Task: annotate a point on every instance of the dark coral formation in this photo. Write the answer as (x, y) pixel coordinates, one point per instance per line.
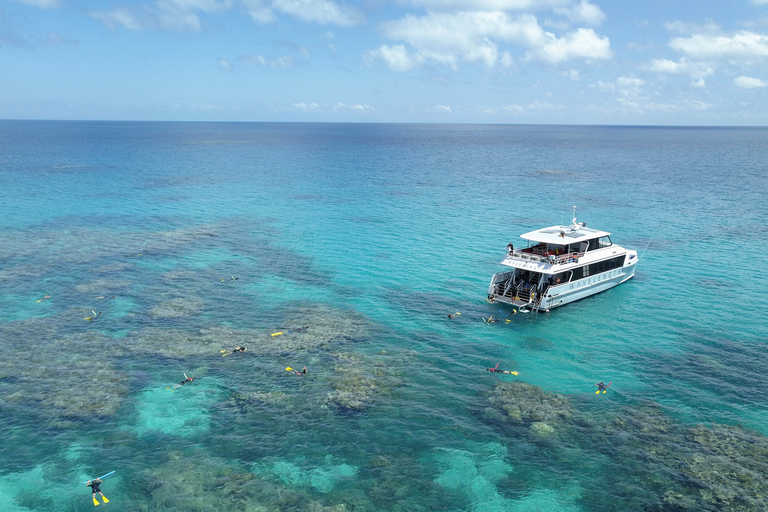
(202, 483)
(717, 468)
(653, 462)
(61, 375)
(358, 380)
(522, 404)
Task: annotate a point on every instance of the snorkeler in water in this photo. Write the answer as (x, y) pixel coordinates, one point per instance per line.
(495, 369)
(601, 387)
(94, 485)
(187, 380)
(237, 349)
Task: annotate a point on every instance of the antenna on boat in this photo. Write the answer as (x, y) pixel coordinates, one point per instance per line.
(649, 242)
(574, 224)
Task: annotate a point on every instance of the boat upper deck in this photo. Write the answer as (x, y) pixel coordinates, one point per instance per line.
(564, 235)
(556, 246)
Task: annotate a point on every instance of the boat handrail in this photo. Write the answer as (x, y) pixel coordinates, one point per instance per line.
(571, 257)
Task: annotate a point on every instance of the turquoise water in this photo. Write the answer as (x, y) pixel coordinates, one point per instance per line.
(368, 236)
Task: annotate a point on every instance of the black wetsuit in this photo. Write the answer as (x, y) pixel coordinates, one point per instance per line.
(95, 486)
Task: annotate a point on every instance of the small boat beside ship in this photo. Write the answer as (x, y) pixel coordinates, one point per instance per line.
(559, 265)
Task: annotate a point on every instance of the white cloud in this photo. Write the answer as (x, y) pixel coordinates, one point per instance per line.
(747, 82)
(176, 15)
(42, 4)
(742, 46)
(584, 43)
(450, 38)
(684, 27)
(183, 15)
(629, 86)
(354, 108)
(626, 86)
(307, 107)
(320, 11)
(224, 64)
(760, 2)
(396, 57)
(118, 17)
(488, 5)
(583, 12)
(259, 11)
(536, 106)
(696, 70)
(284, 61)
(442, 109)
(604, 86)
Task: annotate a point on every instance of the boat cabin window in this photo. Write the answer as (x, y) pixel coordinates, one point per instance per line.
(598, 268)
(593, 244)
(605, 241)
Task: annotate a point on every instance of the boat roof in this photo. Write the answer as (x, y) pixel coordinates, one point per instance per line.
(563, 235)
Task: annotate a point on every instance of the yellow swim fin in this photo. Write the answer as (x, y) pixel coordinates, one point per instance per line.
(603, 391)
(513, 373)
(276, 334)
(597, 392)
(96, 502)
(89, 318)
(105, 499)
(289, 369)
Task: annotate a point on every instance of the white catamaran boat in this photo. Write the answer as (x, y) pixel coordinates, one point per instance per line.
(561, 264)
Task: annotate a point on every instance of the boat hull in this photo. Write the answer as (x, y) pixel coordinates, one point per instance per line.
(572, 291)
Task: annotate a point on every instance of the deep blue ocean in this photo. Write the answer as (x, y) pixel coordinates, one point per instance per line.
(133, 254)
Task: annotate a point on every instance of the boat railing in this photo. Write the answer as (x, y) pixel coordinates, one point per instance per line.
(571, 257)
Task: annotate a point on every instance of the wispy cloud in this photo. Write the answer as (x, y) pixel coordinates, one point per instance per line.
(284, 61)
(324, 12)
(184, 15)
(747, 82)
(42, 4)
(354, 108)
(307, 107)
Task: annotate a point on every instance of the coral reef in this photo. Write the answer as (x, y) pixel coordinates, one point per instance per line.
(717, 468)
(176, 308)
(102, 286)
(322, 479)
(359, 380)
(522, 404)
(195, 482)
(655, 462)
(63, 376)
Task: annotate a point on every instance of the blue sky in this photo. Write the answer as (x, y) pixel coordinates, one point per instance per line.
(667, 62)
